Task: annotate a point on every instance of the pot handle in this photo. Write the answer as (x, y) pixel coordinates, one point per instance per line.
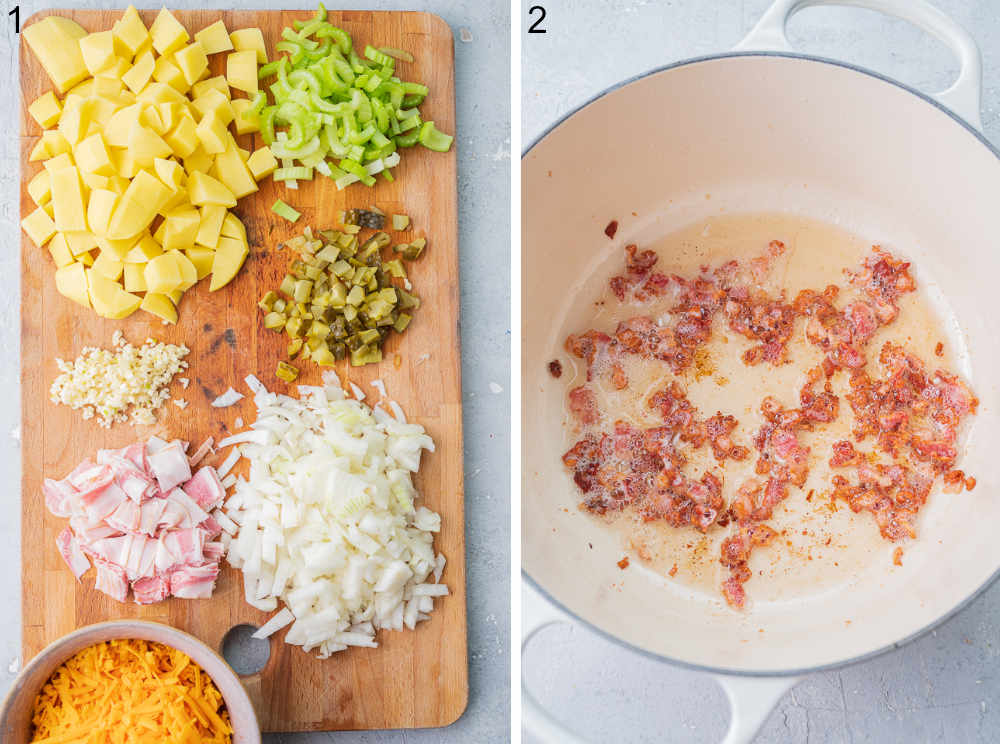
(751, 699)
(964, 97)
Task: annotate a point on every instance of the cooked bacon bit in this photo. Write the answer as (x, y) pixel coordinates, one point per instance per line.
(939, 349)
(583, 405)
(718, 430)
(843, 454)
(736, 551)
(555, 368)
(611, 229)
(639, 276)
(618, 378)
(970, 483)
(759, 317)
(760, 266)
(883, 278)
(897, 556)
(954, 481)
(893, 494)
(673, 571)
(588, 346)
(623, 563)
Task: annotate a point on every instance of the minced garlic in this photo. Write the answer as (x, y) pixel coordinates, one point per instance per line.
(118, 384)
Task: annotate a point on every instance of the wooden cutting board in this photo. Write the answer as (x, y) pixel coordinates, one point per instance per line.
(415, 678)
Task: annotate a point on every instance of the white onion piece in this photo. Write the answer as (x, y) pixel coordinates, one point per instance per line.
(278, 621)
(227, 399)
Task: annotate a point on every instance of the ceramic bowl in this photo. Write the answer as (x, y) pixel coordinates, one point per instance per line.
(15, 714)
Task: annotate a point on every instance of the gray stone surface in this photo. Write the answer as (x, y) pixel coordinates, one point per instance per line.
(945, 687)
(482, 58)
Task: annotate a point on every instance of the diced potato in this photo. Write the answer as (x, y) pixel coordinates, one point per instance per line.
(175, 297)
(106, 88)
(120, 125)
(98, 50)
(213, 102)
(67, 198)
(150, 118)
(212, 132)
(233, 228)
(118, 68)
(241, 70)
(159, 305)
(202, 259)
(80, 242)
(39, 152)
(118, 248)
(134, 277)
(183, 139)
(214, 38)
(163, 274)
(262, 163)
(165, 71)
(145, 146)
(130, 31)
(170, 172)
(140, 73)
(192, 62)
(109, 266)
(60, 161)
(246, 122)
(210, 226)
(125, 165)
(45, 110)
(108, 298)
(204, 189)
(230, 170)
(199, 161)
(99, 210)
(59, 250)
(55, 143)
(71, 282)
(250, 38)
(118, 184)
(145, 250)
(85, 258)
(178, 200)
(229, 257)
(91, 156)
(40, 189)
(39, 227)
(75, 119)
(55, 42)
(213, 83)
(157, 92)
(138, 206)
(182, 227)
(94, 181)
(189, 274)
(167, 32)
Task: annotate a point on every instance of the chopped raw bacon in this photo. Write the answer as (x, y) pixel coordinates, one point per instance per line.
(136, 532)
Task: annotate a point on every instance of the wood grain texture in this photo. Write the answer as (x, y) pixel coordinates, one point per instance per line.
(415, 679)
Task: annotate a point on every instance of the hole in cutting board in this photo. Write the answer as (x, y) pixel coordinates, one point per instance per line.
(245, 654)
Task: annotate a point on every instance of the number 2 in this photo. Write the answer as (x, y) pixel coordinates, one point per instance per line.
(533, 28)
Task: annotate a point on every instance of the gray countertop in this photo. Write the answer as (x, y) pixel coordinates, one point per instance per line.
(945, 687)
(482, 54)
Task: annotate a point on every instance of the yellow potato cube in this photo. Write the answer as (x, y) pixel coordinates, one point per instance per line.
(229, 257)
(108, 265)
(262, 163)
(210, 226)
(213, 102)
(244, 154)
(39, 227)
(108, 298)
(199, 160)
(212, 133)
(167, 33)
(40, 188)
(71, 282)
(161, 231)
(175, 297)
(165, 71)
(151, 118)
(170, 115)
(45, 110)
(192, 62)
(189, 274)
(55, 143)
(86, 259)
(204, 189)
(99, 210)
(80, 242)
(118, 184)
(214, 38)
(140, 73)
(178, 200)
(145, 146)
(125, 165)
(146, 249)
(241, 70)
(202, 259)
(94, 181)
(233, 228)
(75, 119)
(55, 42)
(163, 274)
(67, 198)
(157, 92)
(246, 121)
(39, 152)
(183, 139)
(91, 156)
(118, 68)
(106, 87)
(181, 229)
(159, 305)
(98, 50)
(134, 277)
(59, 250)
(117, 248)
(252, 39)
(230, 170)
(213, 83)
(138, 206)
(119, 126)
(170, 172)
(130, 31)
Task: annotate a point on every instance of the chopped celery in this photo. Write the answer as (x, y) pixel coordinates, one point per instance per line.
(283, 210)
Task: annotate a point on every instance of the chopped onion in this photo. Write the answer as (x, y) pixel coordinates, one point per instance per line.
(227, 399)
(278, 621)
(231, 459)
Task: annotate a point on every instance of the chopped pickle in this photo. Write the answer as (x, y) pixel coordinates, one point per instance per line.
(294, 348)
(274, 321)
(286, 372)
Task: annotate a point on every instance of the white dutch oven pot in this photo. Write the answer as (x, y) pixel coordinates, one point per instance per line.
(751, 128)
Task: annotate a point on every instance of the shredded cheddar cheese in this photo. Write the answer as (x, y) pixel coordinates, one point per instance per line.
(130, 692)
